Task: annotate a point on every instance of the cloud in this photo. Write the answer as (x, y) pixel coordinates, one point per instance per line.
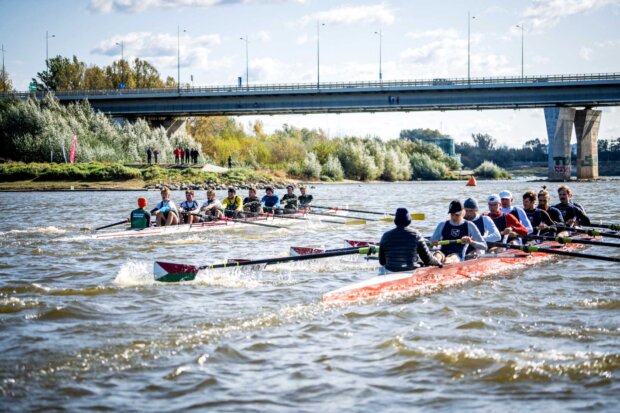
(345, 15)
(303, 39)
(139, 6)
(263, 36)
(543, 14)
(585, 53)
(161, 49)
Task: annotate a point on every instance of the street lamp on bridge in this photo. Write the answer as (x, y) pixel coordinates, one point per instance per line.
(380, 44)
(469, 19)
(521, 27)
(47, 37)
(121, 44)
(247, 65)
(179, 58)
(318, 69)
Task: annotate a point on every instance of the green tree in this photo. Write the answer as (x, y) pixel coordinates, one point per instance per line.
(483, 141)
(5, 81)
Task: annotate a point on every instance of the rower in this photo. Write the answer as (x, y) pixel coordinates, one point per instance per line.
(519, 213)
(289, 200)
(212, 207)
(189, 208)
(507, 224)
(539, 218)
(571, 212)
(140, 218)
(456, 228)
(543, 204)
(401, 248)
(304, 199)
(251, 203)
(270, 202)
(485, 224)
(166, 212)
(232, 204)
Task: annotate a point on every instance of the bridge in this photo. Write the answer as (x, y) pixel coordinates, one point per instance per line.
(558, 95)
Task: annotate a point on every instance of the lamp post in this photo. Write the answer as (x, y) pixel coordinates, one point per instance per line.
(380, 44)
(179, 58)
(318, 55)
(47, 37)
(4, 83)
(469, 19)
(247, 65)
(121, 44)
(521, 27)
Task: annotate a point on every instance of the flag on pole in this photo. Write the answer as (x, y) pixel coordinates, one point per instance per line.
(73, 147)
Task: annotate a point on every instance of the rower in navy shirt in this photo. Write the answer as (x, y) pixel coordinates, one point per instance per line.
(270, 202)
(572, 213)
(456, 228)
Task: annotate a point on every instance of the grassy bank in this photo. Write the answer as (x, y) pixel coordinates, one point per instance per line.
(95, 175)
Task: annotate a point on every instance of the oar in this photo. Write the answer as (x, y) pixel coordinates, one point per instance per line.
(171, 272)
(350, 222)
(613, 227)
(243, 221)
(338, 216)
(533, 248)
(112, 225)
(414, 216)
(568, 240)
(591, 232)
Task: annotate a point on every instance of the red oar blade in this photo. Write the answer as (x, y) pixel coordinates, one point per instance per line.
(172, 272)
(296, 251)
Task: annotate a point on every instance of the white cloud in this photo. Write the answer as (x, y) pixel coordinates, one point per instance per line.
(543, 14)
(161, 49)
(138, 6)
(585, 53)
(303, 39)
(264, 36)
(438, 33)
(379, 14)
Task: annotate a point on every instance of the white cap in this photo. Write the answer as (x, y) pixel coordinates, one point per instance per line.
(505, 194)
(494, 198)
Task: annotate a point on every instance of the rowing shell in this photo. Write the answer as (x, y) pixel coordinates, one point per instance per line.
(406, 283)
(223, 223)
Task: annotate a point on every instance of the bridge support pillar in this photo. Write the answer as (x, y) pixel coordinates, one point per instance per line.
(171, 125)
(587, 122)
(559, 130)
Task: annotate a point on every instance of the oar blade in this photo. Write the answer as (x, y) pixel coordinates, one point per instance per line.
(355, 222)
(417, 216)
(171, 272)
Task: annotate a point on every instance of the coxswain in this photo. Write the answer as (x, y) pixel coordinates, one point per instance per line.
(270, 202)
(507, 224)
(543, 204)
(189, 208)
(304, 199)
(289, 200)
(140, 218)
(457, 228)
(519, 213)
(233, 204)
(573, 213)
(251, 203)
(166, 212)
(485, 224)
(212, 207)
(538, 218)
(402, 248)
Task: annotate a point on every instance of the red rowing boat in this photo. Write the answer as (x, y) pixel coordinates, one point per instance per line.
(428, 278)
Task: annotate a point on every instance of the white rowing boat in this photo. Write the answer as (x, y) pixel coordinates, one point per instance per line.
(286, 220)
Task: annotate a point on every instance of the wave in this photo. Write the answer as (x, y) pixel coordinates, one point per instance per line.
(134, 273)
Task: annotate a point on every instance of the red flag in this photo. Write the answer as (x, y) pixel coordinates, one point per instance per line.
(73, 147)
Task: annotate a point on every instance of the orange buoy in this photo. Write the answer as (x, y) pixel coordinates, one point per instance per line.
(472, 181)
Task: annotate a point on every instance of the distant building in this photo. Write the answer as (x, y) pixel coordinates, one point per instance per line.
(445, 144)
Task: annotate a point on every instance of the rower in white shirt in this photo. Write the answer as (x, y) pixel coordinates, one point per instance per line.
(519, 213)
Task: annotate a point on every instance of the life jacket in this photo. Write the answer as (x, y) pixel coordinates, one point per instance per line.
(189, 206)
(450, 232)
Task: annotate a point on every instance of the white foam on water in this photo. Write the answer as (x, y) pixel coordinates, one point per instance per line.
(229, 278)
(37, 230)
(194, 239)
(135, 273)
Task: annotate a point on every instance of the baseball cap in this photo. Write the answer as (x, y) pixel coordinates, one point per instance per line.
(494, 198)
(505, 194)
(455, 206)
(470, 203)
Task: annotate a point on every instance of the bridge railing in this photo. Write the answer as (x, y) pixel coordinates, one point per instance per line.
(310, 87)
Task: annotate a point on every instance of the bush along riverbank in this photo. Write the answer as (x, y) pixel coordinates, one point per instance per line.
(96, 175)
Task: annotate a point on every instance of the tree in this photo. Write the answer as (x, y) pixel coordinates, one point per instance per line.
(5, 81)
(483, 141)
(62, 74)
(421, 134)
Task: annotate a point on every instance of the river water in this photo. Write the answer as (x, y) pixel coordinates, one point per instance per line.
(84, 328)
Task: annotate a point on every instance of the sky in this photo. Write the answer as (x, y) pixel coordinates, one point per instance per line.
(419, 40)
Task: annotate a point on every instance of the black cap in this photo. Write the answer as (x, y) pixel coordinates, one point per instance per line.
(455, 206)
(402, 218)
(232, 190)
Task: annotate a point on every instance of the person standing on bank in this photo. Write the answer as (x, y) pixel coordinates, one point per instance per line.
(149, 154)
(402, 248)
(229, 162)
(156, 155)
